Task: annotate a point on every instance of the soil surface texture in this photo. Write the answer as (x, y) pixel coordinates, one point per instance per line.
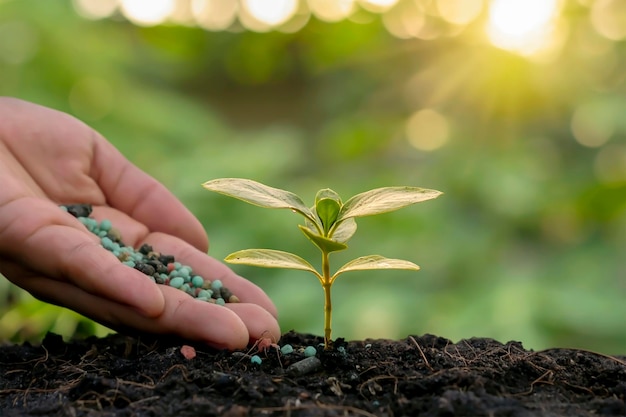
(417, 376)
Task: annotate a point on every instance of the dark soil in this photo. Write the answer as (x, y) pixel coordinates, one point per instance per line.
(417, 376)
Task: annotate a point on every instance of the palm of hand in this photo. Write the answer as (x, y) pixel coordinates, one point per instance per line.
(48, 158)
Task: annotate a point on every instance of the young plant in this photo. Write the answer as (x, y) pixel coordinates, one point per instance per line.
(329, 224)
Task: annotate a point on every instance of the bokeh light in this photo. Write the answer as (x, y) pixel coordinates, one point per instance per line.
(332, 10)
(609, 18)
(95, 9)
(182, 13)
(296, 23)
(405, 21)
(214, 15)
(459, 12)
(526, 27)
(409, 19)
(593, 123)
(522, 26)
(145, 13)
(427, 130)
(378, 6)
(271, 12)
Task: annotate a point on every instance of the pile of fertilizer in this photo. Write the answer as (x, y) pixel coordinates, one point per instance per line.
(163, 269)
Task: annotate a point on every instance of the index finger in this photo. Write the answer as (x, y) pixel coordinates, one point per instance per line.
(129, 189)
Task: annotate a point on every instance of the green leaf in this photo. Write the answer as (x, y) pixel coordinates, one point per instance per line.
(270, 258)
(327, 206)
(326, 245)
(327, 193)
(383, 200)
(327, 209)
(343, 230)
(260, 195)
(374, 262)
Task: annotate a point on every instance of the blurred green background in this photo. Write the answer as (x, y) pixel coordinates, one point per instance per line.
(514, 109)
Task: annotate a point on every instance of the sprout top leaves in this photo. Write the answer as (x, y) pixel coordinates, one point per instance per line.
(329, 224)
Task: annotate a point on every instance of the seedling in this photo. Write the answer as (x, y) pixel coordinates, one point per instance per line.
(329, 224)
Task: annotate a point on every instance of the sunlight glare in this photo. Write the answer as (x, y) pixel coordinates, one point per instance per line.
(147, 13)
(525, 26)
(271, 12)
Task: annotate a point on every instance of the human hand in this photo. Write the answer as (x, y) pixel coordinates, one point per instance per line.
(48, 158)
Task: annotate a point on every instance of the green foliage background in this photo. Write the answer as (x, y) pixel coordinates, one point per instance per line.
(527, 243)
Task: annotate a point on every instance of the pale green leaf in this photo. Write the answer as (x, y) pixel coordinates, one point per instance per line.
(343, 230)
(327, 193)
(375, 262)
(259, 195)
(270, 258)
(326, 245)
(383, 200)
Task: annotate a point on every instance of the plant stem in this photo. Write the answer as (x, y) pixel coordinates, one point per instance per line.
(326, 285)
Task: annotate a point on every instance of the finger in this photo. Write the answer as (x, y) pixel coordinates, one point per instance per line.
(124, 185)
(134, 192)
(131, 231)
(183, 315)
(258, 321)
(53, 243)
(212, 269)
(48, 152)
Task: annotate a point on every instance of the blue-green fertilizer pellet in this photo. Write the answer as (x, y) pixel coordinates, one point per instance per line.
(162, 269)
(310, 351)
(286, 349)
